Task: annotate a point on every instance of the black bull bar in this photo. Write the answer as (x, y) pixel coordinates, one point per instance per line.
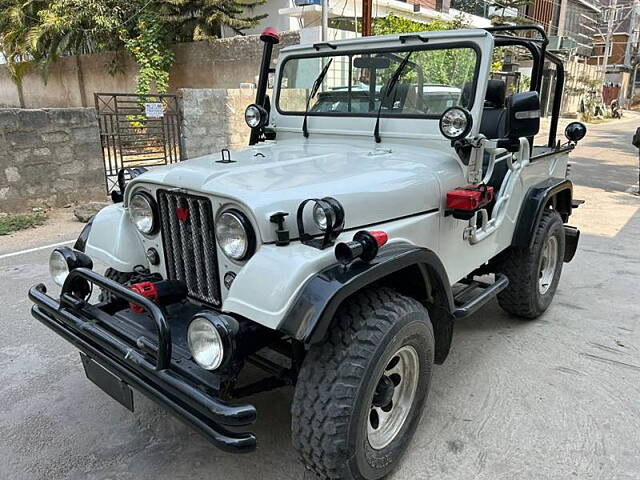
(77, 321)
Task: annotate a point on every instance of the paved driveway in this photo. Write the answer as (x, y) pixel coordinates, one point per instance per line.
(557, 398)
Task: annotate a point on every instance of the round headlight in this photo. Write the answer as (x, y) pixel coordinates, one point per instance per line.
(256, 116)
(234, 235)
(142, 211)
(455, 123)
(319, 217)
(205, 343)
(58, 267)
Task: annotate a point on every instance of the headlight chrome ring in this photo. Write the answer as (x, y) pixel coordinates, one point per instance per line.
(143, 211)
(235, 235)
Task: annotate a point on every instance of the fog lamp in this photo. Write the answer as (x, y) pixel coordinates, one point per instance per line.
(64, 259)
(211, 339)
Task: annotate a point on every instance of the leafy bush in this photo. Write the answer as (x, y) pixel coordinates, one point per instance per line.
(10, 223)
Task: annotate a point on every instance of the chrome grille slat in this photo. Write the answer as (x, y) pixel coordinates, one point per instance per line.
(173, 234)
(209, 250)
(201, 284)
(190, 249)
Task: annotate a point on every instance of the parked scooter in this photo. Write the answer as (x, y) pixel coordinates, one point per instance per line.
(616, 109)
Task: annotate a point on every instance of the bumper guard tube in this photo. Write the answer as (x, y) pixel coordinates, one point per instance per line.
(71, 319)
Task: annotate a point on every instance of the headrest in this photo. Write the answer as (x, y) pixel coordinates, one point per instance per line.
(467, 89)
(496, 93)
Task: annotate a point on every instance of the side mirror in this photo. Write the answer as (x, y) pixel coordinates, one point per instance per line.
(523, 115)
(575, 132)
(636, 138)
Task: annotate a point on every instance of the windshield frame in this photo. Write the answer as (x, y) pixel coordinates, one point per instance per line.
(398, 50)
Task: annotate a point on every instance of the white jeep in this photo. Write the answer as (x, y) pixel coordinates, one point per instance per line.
(390, 188)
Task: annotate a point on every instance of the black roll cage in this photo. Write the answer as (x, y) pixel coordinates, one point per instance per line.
(510, 35)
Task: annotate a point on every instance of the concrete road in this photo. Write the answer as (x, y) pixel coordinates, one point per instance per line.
(558, 398)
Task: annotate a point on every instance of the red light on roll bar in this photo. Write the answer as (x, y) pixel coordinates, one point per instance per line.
(270, 34)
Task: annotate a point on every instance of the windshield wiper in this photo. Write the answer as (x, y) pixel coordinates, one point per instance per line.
(388, 88)
(314, 89)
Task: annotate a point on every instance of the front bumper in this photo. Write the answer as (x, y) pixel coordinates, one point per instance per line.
(146, 364)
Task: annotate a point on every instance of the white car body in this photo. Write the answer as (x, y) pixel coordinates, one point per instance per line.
(346, 240)
(398, 186)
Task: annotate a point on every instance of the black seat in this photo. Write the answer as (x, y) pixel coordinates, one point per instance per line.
(397, 98)
(493, 123)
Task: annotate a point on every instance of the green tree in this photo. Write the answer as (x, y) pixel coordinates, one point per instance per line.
(38, 32)
(443, 67)
(394, 24)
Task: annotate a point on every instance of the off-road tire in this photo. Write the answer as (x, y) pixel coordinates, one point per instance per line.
(116, 276)
(332, 402)
(522, 266)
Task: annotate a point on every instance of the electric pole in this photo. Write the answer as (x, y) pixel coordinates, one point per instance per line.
(325, 19)
(607, 43)
(366, 17)
(632, 48)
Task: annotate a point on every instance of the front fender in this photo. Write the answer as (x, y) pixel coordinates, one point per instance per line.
(315, 306)
(113, 240)
(267, 286)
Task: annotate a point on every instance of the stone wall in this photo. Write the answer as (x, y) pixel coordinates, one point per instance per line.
(72, 81)
(213, 119)
(49, 157)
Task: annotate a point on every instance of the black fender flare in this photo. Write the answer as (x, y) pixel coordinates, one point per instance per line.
(81, 242)
(314, 307)
(557, 190)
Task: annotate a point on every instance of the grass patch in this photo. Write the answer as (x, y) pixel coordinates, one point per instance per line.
(10, 223)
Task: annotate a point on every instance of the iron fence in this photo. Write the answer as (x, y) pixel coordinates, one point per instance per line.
(137, 131)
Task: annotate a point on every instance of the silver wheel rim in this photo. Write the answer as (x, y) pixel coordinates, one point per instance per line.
(386, 419)
(548, 264)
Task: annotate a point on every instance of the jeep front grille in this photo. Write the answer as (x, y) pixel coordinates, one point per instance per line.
(189, 244)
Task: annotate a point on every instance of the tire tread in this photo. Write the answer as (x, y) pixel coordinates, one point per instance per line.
(517, 264)
(330, 378)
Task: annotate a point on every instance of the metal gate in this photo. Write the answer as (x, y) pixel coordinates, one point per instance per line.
(137, 131)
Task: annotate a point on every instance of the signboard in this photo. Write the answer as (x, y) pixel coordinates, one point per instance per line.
(153, 110)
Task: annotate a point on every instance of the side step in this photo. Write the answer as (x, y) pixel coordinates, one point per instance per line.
(476, 294)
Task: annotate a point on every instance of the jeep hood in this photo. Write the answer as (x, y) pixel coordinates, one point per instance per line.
(373, 185)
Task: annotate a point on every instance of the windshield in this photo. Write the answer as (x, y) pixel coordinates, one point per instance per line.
(433, 80)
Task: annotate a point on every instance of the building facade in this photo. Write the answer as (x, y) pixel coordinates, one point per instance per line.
(345, 15)
(615, 51)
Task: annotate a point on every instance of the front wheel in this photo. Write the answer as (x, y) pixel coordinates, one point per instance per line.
(360, 394)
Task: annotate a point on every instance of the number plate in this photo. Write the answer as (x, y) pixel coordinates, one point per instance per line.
(108, 382)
